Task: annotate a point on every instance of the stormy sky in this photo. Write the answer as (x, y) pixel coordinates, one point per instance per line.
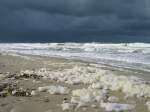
(74, 20)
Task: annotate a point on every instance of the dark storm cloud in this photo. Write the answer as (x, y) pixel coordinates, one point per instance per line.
(74, 18)
(81, 7)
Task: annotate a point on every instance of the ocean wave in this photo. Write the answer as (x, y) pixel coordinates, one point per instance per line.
(122, 54)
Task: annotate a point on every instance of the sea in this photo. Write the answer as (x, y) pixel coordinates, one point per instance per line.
(122, 55)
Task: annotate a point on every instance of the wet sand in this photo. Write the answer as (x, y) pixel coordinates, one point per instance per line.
(43, 101)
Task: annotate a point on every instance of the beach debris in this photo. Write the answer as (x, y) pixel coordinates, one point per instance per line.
(117, 107)
(3, 86)
(11, 88)
(3, 94)
(7, 87)
(148, 105)
(21, 92)
(29, 74)
(11, 76)
(54, 89)
(24, 74)
(65, 100)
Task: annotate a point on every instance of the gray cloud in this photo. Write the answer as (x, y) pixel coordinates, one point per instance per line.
(74, 18)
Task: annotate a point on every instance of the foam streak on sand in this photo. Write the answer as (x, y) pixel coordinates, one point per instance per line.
(130, 85)
(100, 82)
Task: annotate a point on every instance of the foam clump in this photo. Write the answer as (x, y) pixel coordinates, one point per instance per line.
(117, 107)
(113, 99)
(96, 85)
(76, 75)
(129, 85)
(34, 93)
(148, 105)
(68, 106)
(54, 89)
(27, 72)
(83, 97)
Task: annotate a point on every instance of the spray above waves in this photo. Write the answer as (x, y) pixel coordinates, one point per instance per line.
(129, 55)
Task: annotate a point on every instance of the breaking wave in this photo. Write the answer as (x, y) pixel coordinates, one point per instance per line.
(127, 55)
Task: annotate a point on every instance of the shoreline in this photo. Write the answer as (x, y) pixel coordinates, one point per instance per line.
(47, 102)
(128, 71)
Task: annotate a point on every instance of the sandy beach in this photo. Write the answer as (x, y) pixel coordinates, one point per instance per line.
(29, 84)
(74, 55)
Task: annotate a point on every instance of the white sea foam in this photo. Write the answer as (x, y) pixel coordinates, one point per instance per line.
(100, 83)
(54, 89)
(88, 95)
(113, 99)
(111, 107)
(148, 105)
(68, 107)
(97, 79)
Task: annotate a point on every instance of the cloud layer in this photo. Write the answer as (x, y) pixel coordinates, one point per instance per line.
(74, 19)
